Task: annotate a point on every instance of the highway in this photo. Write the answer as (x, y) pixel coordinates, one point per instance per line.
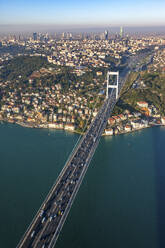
(45, 228)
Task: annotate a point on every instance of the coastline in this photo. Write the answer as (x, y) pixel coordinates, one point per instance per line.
(34, 125)
(37, 126)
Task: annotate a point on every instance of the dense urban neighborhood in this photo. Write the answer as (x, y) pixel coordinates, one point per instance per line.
(60, 82)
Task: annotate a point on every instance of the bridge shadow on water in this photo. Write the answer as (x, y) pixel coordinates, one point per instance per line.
(159, 164)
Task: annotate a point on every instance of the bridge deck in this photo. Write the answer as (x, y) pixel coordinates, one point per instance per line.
(47, 224)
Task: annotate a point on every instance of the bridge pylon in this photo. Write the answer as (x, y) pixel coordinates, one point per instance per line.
(116, 85)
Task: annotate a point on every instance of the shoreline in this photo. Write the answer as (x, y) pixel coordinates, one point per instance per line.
(36, 126)
(32, 125)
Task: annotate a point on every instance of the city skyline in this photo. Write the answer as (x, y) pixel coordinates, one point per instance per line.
(98, 13)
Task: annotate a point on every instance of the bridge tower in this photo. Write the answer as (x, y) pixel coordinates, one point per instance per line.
(116, 85)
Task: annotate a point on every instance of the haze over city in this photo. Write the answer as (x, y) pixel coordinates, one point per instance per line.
(68, 15)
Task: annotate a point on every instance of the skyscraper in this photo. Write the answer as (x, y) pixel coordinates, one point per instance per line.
(34, 36)
(106, 34)
(121, 32)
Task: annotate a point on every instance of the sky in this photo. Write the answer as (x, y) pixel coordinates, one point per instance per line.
(83, 12)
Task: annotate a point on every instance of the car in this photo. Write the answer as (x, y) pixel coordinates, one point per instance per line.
(41, 213)
(43, 220)
(32, 234)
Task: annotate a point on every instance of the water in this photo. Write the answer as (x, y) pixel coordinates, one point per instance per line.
(121, 201)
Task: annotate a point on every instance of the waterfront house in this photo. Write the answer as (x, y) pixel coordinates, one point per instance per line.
(52, 125)
(144, 123)
(127, 128)
(116, 131)
(163, 120)
(136, 124)
(69, 127)
(109, 131)
(59, 125)
(119, 128)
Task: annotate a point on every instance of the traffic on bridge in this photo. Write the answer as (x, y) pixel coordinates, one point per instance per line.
(44, 230)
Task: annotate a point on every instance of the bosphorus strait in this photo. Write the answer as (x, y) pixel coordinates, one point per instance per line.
(120, 202)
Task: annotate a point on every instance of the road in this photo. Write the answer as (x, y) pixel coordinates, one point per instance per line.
(44, 230)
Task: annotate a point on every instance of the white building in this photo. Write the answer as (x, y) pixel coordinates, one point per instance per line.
(127, 128)
(52, 125)
(144, 123)
(69, 127)
(136, 124)
(163, 120)
(109, 131)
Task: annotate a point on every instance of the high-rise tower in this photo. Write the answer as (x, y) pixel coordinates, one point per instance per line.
(121, 32)
(106, 34)
(34, 36)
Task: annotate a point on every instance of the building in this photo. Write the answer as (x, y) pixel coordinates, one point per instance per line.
(116, 131)
(121, 32)
(111, 121)
(137, 114)
(99, 73)
(136, 124)
(109, 131)
(59, 125)
(144, 123)
(69, 127)
(106, 34)
(117, 118)
(34, 36)
(163, 120)
(122, 117)
(52, 125)
(142, 104)
(127, 128)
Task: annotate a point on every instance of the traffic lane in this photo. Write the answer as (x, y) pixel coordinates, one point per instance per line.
(67, 172)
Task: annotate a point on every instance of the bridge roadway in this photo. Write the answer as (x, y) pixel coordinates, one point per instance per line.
(44, 229)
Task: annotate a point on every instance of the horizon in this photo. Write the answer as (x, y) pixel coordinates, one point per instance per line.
(83, 13)
(24, 29)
